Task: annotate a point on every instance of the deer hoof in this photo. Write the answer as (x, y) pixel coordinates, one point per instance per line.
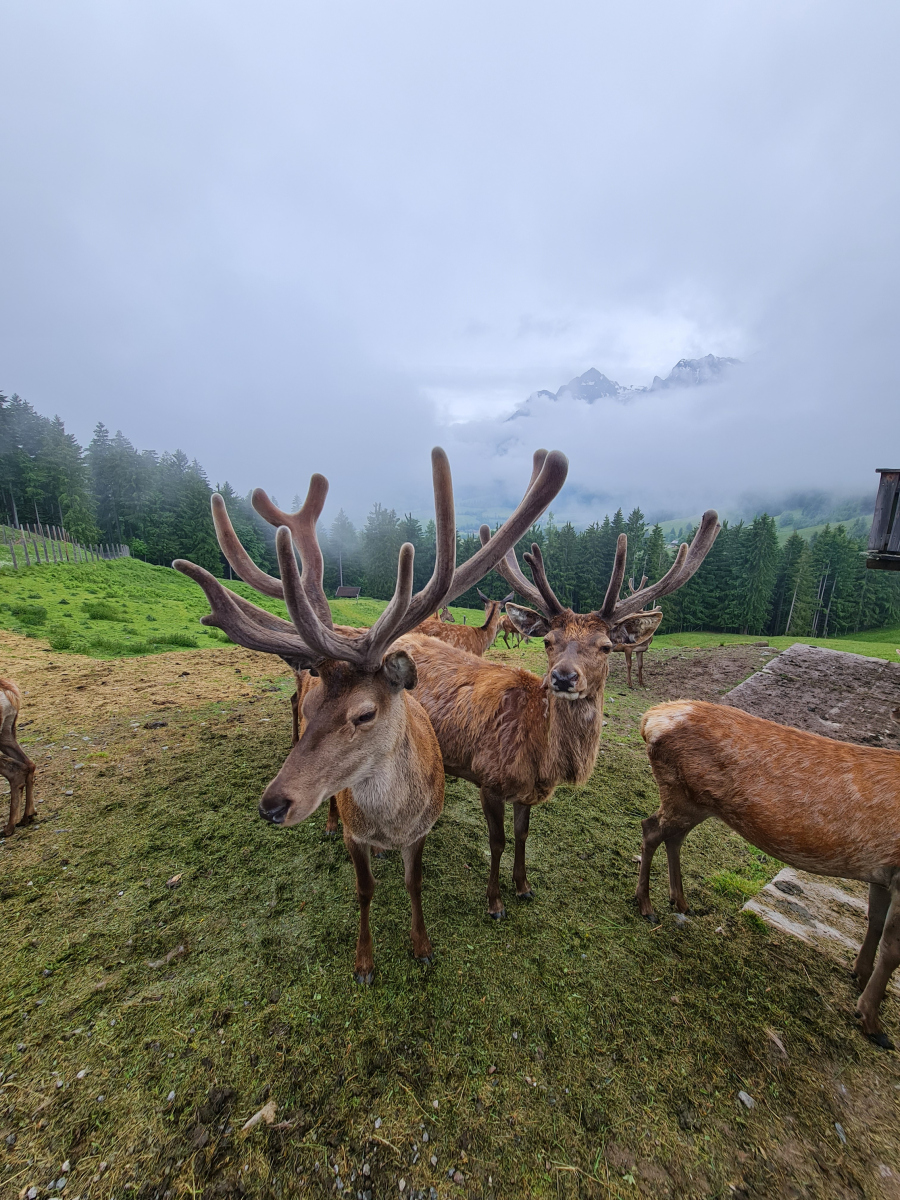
(881, 1039)
(28, 818)
(366, 979)
(426, 960)
(8, 831)
(529, 895)
(651, 918)
(332, 833)
(497, 916)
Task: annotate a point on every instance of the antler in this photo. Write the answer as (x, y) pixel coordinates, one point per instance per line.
(686, 563)
(312, 637)
(302, 525)
(508, 567)
(547, 478)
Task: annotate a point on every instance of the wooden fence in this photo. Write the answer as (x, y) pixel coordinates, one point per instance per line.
(39, 545)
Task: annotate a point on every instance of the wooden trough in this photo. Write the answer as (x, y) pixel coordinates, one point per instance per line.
(884, 540)
(841, 696)
(347, 593)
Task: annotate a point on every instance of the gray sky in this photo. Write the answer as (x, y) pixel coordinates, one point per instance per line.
(289, 237)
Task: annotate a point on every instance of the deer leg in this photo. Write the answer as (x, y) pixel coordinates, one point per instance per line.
(493, 808)
(628, 666)
(888, 959)
(640, 660)
(651, 841)
(412, 864)
(879, 903)
(331, 825)
(12, 772)
(28, 815)
(364, 970)
(521, 821)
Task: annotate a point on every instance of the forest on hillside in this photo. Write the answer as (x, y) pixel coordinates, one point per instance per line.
(158, 504)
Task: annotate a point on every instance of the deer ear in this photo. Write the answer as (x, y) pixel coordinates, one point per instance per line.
(528, 622)
(637, 628)
(399, 670)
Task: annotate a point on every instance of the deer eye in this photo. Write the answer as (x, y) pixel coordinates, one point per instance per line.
(365, 717)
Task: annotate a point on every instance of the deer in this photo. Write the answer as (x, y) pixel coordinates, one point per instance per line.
(516, 735)
(507, 630)
(364, 738)
(15, 765)
(474, 638)
(445, 615)
(634, 647)
(817, 804)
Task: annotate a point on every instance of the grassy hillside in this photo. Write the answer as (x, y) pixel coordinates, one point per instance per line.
(127, 607)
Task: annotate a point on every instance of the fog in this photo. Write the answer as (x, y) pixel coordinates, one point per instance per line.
(296, 237)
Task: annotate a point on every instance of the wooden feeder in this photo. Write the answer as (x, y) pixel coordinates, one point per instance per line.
(347, 593)
(884, 540)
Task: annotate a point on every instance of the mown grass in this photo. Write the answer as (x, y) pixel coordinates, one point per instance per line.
(571, 1050)
(126, 607)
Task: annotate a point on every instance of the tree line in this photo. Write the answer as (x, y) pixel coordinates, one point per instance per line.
(158, 504)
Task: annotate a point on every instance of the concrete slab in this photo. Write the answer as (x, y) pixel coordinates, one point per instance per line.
(830, 692)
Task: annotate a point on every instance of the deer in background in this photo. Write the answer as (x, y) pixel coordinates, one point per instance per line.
(364, 739)
(640, 643)
(474, 638)
(814, 803)
(508, 630)
(15, 765)
(516, 735)
(446, 615)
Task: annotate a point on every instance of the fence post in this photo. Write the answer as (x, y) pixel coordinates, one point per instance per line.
(25, 548)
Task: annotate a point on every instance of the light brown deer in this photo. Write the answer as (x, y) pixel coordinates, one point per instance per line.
(516, 735)
(817, 804)
(446, 615)
(507, 630)
(15, 765)
(637, 647)
(474, 638)
(363, 737)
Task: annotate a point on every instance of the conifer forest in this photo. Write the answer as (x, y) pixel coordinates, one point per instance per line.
(158, 505)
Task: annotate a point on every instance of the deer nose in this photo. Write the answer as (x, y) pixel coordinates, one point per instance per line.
(564, 681)
(274, 809)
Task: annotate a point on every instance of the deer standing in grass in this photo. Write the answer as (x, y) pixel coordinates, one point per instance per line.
(15, 765)
(517, 735)
(819, 805)
(474, 638)
(636, 647)
(363, 737)
(508, 630)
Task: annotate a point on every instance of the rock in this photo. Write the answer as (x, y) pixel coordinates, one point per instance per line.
(746, 1100)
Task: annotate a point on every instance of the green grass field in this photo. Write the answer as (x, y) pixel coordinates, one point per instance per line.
(127, 607)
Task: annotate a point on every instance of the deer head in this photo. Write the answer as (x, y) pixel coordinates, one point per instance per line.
(356, 716)
(578, 644)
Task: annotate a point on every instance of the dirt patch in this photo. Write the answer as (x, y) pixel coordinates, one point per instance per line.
(77, 691)
(701, 673)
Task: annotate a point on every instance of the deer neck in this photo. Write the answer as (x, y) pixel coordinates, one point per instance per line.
(573, 736)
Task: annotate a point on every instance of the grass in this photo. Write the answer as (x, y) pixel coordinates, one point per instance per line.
(571, 1050)
(874, 643)
(125, 607)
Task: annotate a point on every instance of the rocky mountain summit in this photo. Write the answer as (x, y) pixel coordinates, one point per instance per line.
(593, 385)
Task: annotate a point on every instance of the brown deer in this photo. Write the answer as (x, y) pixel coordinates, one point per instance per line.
(474, 638)
(508, 630)
(515, 735)
(636, 647)
(446, 615)
(15, 765)
(364, 738)
(816, 804)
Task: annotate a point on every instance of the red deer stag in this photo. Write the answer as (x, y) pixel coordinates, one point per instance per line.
(364, 738)
(15, 765)
(817, 804)
(474, 638)
(634, 645)
(515, 735)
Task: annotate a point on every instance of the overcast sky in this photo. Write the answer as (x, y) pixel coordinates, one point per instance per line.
(288, 237)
